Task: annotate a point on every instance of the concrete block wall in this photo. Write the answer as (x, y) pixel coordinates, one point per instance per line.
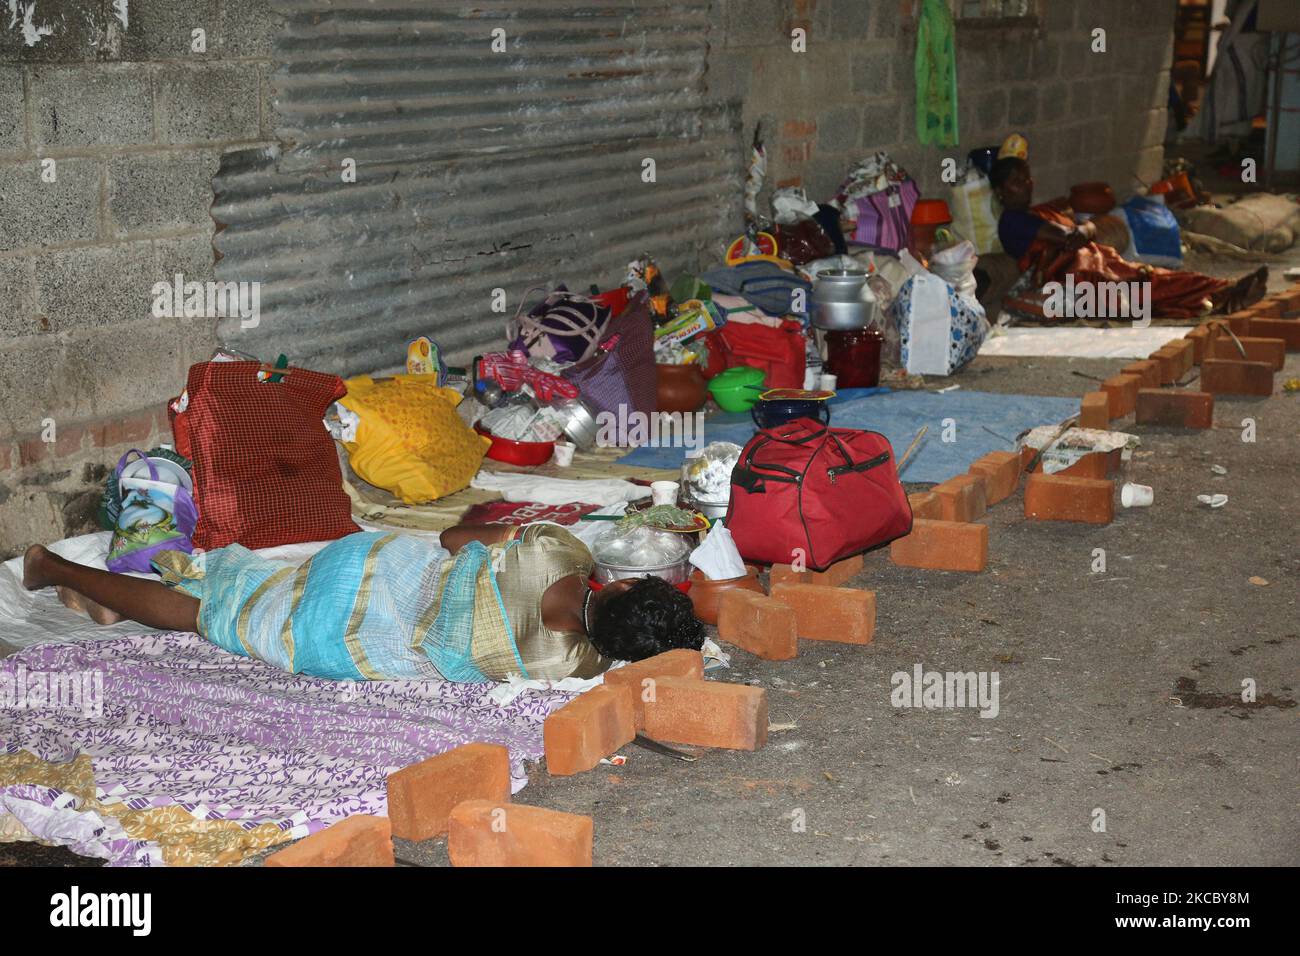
(135, 120)
(1087, 116)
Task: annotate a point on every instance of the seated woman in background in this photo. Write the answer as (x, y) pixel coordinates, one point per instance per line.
(493, 601)
(1046, 237)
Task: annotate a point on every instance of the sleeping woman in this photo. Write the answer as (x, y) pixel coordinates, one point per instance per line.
(492, 601)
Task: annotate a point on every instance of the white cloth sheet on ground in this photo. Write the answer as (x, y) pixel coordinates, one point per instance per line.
(558, 491)
(1080, 341)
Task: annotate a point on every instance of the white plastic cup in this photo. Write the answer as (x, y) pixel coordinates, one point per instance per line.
(810, 379)
(564, 453)
(1136, 496)
(663, 492)
(828, 383)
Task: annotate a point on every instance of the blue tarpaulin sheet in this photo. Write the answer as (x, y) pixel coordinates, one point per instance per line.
(981, 422)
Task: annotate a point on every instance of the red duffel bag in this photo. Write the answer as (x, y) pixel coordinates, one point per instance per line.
(802, 489)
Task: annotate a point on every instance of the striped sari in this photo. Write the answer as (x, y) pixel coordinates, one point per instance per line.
(370, 606)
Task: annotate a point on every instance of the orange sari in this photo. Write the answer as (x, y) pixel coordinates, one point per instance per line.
(1174, 294)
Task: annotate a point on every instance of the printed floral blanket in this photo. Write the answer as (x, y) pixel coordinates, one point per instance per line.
(163, 749)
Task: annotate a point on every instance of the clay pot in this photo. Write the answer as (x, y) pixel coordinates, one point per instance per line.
(680, 388)
(706, 595)
(1095, 198)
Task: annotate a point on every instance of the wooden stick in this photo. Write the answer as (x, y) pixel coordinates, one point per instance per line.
(911, 448)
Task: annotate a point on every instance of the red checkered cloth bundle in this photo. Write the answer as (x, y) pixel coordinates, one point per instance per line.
(265, 469)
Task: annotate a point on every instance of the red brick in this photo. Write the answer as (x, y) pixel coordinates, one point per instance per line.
(32, 450)
(1288, 330)
(1269, 351)
(1123, 392)
(1063, 498)
(1270, 307)
(1148, 370)
(1224, 377)
(761, 625)
(925, 504)
(838, 573)
(593, 725)
(1166, 363)
(1094, 410)
(707, 713)
(356, 841)
(1002, 469)
(490, 833)
(845, 615)
(1176, 407)
(943, 546)
(679, 663)
(68, 440)
(1183, 354)
(1198, 337)
(1239, 322)
(421, 796)
(961, 498)
(785, 574)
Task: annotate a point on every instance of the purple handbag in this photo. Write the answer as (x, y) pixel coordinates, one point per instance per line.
(156, 515)
(621, 372)
(885, 217)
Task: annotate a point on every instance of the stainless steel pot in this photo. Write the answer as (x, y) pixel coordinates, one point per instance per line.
(580, 424)
(674, 573)
(842, 300)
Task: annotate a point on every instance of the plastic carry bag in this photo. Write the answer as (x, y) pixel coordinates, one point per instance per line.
(1156, 238)
(157, 514)
(940, 331)
(973, 212)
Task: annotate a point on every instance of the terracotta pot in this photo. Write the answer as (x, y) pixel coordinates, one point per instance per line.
(680, 388)
(706, 595)
(1095, 198)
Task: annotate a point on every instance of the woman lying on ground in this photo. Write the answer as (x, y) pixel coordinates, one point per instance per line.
(494, 600)
(1046, 237)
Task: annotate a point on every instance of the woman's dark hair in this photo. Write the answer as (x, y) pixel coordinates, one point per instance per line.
(1003, 169)
(650, 617)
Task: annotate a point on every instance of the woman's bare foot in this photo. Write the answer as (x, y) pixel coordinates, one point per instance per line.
(79, 602)
(37, 562)
(35, 568)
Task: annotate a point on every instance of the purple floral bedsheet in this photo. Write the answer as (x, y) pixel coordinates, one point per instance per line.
(170, 719)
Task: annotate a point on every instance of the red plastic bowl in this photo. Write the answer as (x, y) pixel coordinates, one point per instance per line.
(930, 212)
(518, 452)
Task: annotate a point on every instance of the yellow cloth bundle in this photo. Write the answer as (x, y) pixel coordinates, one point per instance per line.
(410, 441)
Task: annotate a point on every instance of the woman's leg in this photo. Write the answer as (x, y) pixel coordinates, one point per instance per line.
(111, 597)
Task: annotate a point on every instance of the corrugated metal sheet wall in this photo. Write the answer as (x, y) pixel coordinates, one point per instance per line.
(475, 170)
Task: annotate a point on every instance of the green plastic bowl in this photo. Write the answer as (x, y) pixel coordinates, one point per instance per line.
(737, 389)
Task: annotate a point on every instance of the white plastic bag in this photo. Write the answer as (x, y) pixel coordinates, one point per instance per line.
(974, 213)
(940, 331)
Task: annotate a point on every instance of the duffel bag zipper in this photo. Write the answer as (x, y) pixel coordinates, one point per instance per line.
(860, 466)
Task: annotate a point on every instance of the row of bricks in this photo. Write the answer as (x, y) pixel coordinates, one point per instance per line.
(665, 697)
(465, 794)
(479, 833)
(944, 536)
(72, 438)
(1082, 492)
(770, 627)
